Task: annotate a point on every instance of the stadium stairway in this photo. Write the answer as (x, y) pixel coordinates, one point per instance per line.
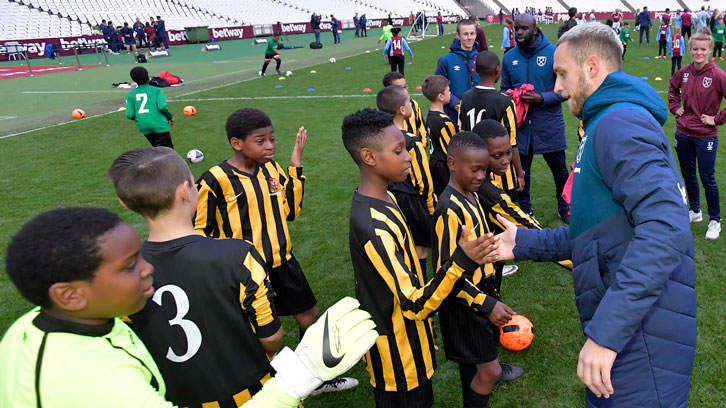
(628, 6)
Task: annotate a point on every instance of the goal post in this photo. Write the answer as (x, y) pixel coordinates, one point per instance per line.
(427, 27)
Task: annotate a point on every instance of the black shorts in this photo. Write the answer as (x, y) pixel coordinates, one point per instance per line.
(160, 139)
(419, 397)
(469, 337)
(270, 56)
(417, 215)
(292, 291)
(439, 175)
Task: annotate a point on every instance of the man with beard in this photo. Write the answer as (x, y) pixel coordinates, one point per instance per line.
(629, 238)
(543, 129)
(458, 66)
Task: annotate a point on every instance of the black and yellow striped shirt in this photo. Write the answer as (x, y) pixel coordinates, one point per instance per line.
(208, 291)
(389, 284)
(454, 212)
(481, 103)
(496, 201)
(419, 180)
(415, 124)
(254, 207)
(441, 129)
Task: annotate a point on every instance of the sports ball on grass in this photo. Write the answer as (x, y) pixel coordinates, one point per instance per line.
(288, 73)
(195, 156)
(517, 334)
(78, 113)
(332, 60)
(190, 110)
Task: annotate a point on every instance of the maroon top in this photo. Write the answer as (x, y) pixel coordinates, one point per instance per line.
(481, 40)
(701, 92)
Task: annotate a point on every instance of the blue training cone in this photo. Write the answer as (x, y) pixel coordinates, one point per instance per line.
(347, 68)
(278, 86)
(409, 63)
(646, 58)
(311, 89)
(645, 78)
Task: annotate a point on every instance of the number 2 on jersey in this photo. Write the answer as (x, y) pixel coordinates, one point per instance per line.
(143, 98)
(191, 331)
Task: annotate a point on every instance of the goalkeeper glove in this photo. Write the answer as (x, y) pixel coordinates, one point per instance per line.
(329, 348)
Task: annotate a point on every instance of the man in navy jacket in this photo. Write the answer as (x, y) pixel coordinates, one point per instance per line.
(644, 22)
(543, 130)
(161, 32)
(629, 239)
(459, 66)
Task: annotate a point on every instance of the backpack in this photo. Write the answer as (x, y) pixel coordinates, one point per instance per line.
(159, 82)
(141, 58)
(316, 45)
(170, 78)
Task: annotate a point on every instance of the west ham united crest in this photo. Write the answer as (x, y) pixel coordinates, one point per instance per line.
(541, 60)
(707, 82)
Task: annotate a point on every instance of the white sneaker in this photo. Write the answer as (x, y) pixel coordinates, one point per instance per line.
(509, 270)
(714, 230)
(335, 385)
(695, 216)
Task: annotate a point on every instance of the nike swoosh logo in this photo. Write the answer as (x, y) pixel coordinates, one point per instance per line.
(328, 359)
(235, 197)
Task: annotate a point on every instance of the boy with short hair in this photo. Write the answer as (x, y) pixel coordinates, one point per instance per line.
(147, 106)
(218, 289)
(470, 338)
(625, 37)
(249, 197)
(415, 124)
(440, 128)
(393, 51)
(389, 281)
(485, 102)
(271, 53)
(415, 194)
(83, 268)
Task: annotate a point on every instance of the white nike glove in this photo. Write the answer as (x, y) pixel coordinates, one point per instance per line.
(329, 348)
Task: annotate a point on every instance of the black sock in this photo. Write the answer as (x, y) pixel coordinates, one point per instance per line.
(264, 66)
(279, 61)
(422, 262)
(477, 400)
(467, 373)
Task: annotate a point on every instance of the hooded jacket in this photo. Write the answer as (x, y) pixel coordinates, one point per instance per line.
(459, 67)
(544, 127)
(699, 92)
(631, 246)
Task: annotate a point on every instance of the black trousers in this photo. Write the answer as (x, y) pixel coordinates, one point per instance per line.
(397, 63)
(675, 61)
(686, 31)
(159, 139)
(717, 47)
(558, 167)
(663, 46)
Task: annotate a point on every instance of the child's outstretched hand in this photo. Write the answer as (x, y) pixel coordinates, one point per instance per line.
(501, 314)
(480, 250)
(300, 140)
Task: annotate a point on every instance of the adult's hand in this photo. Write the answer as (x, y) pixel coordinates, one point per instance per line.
(593, 368)
(507, 239)
(531, 97)
(707, 120)
(680, 111)
(480, 250)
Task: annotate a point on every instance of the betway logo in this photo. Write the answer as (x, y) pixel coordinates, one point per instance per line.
(66, 45)
(326, 26)
(397, 21)
(177, 36)
(293, 28)
(374, 23)
(229, 33)
(37, 48)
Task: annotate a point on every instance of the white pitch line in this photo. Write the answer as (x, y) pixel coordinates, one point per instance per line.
(55, 125)
(70, 92)
(253, 98)
(7, 117)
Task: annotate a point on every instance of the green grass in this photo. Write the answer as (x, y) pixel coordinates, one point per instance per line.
(66, 165)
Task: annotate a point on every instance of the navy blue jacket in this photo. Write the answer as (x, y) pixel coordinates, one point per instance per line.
(459, 67)
(544, 126)
(160, 28)
(355, 22)
(644, 19)
(631, 246)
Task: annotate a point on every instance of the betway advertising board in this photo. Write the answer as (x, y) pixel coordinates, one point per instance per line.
(36, 47)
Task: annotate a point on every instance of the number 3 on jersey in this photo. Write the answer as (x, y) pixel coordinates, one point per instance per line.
(191, 331)
(143, 98)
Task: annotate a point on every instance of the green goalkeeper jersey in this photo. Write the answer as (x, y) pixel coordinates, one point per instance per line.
(272, 46)
(625, 35)
(147, 106)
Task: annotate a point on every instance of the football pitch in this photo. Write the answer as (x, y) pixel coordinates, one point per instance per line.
(65, 165)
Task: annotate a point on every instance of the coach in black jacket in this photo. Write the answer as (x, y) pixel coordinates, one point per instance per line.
(315, 23)
(572, 12)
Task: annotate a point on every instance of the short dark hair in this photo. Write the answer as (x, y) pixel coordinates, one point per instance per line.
(486, 63)
(244, 121)
(395, 30)
(572, 11)
(158, 17)
(463, 22)
(465, 141)
(146, 179)
(490, 129)
(363, 129)
(60, 245)
(390, 98)
(392, 76)
(434, 85)
(140, 75)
